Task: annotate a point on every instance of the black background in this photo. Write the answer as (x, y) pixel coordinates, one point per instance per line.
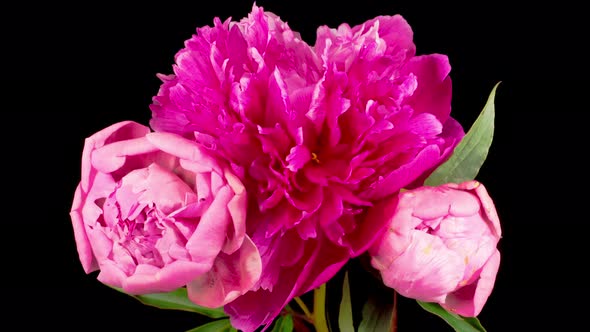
(73, 69)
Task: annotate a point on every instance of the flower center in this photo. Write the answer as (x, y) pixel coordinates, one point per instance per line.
(139, 237)
(134, 231)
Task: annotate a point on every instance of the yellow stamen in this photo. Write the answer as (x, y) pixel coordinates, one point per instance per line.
(314, 157)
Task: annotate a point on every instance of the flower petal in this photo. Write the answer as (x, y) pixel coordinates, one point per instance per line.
(231, 276)
(433, 94)
(82, 243)
(468, 301)
(426, 270)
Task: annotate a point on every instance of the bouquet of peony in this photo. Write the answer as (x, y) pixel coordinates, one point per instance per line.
(270, 165)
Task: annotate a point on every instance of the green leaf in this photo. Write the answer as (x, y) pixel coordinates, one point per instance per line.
(345, 322)
(222, 325)
(283, 324)
(470, 154)
(377, 316)
(176, 300)
(458, 323)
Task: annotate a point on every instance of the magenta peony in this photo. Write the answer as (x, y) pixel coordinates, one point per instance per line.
(441, 246)
(155, 212)
(317, 135)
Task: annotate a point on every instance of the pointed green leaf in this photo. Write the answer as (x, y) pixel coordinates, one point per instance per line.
(471, 152)
(222, 325)
(377, 316)
(458, 323)
(345, 322)
(176, 300)
(283, 324)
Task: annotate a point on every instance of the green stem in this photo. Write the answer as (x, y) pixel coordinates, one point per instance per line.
(298, 315)
(319, 309)
(303, 307)
(394, 313)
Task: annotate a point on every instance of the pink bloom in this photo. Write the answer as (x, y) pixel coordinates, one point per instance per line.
(155, 212)
(315, 133)
(441, 246)
(385, 109)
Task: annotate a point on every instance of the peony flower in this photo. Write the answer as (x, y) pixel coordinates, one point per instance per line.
(154, 212)
(441, 246)
(317, 135)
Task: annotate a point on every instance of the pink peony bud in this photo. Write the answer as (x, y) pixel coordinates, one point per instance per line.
(441, 246)
(154, 212)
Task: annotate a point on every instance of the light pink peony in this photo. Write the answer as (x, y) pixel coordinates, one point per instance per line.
(441, 246)
(155, 212)
(317, 134)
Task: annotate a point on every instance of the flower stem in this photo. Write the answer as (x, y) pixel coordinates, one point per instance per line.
(394, 313)
(297, 315)
(319, 309)
(303, 307)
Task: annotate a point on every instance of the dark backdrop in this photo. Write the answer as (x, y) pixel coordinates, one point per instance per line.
(73, 69)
